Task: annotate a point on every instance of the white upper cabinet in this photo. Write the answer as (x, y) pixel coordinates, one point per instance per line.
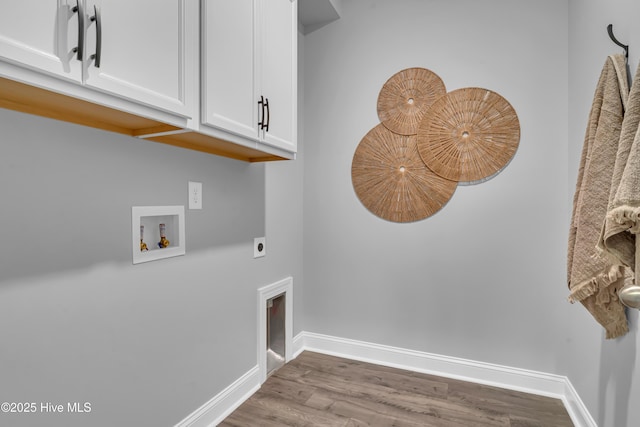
(249, 66)
(278, 60)
(42, 35)
(228, 66)
(218, 76)
(143, 50)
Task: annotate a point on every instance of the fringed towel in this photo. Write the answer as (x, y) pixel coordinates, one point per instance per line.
(593, 277)
(622, 222)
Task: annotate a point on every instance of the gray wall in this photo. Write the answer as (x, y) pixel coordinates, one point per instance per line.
(144, 344)
(484, 278)
(604, 372)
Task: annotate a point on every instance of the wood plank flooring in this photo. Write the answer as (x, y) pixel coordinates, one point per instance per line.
(320, 390)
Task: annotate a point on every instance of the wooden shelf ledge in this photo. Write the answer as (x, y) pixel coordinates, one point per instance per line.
(212, 145)
(29, 99)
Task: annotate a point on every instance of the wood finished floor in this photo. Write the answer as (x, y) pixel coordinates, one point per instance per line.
(320, 390)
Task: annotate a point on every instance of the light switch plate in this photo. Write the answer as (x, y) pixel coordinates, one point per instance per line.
(259, 247)
(195, 195)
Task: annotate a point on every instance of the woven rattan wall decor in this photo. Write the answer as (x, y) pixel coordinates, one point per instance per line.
(468, 135)
(393, 182)
(428, 141)
(406, 97)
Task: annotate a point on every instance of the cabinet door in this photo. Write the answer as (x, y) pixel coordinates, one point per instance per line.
(41, 35)
(148, 51)
(278, 76)
(230, 101)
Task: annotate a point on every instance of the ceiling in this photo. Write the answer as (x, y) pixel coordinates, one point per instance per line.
(314, 14)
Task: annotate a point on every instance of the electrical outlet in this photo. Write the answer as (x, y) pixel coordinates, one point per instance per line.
(195, 195)
(259, 247)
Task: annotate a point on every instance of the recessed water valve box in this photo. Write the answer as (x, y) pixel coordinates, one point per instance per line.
(157, 232)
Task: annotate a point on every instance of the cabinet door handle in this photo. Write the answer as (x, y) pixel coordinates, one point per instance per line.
(266, 105)
(261, 114)
(96, 17)
(79, 9)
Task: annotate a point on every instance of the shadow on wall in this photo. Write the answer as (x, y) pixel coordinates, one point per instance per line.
(67, 192)
(617, 367)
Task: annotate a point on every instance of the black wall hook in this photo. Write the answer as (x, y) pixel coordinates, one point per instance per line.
(615, 40)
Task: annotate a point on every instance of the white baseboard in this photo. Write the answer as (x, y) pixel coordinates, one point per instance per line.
(539, 383)
(298, 344)
(579, 413)
(224, 403)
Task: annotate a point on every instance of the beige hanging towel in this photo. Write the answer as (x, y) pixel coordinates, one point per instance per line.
(593, 277)
(622, 222)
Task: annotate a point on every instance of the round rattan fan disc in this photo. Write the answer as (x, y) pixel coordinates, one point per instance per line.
(406, 96)
(469, 135)
(393, 182)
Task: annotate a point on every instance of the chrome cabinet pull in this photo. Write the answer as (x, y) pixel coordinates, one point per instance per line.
(96, 17)
(79, 9)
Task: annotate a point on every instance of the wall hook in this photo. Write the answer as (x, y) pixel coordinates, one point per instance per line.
(615, 40)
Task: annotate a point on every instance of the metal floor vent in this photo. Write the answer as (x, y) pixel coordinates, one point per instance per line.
(276, 351)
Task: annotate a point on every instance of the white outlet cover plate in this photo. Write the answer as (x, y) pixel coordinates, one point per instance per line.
(195, 195)
(257, 253)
